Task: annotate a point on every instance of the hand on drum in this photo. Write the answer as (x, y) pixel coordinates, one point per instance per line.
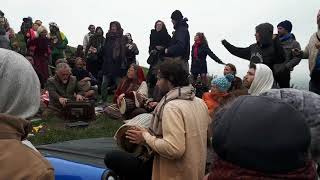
(79, 97)
(63, 101)
(135, 135)
(152, 105)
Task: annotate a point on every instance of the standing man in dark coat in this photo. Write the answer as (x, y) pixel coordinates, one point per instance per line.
(288, 43)
(266, 50)
(114, 58)
(179, 47)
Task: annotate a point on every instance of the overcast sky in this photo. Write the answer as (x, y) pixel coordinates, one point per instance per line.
(234, 20)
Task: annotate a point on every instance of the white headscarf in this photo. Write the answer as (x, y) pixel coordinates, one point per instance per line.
(263, 80)
(19, 85)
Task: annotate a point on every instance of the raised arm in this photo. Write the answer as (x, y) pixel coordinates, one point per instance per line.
(212, 55)
(243, 53)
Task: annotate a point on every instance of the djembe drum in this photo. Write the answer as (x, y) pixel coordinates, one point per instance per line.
(126, 106)
(80, 111)
(143, 152)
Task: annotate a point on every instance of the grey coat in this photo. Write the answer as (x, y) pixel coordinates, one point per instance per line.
(308, 104)
(288, 46)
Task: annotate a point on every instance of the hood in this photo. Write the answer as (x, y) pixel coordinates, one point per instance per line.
(274, 140)
(19, 85)
(182, 23)
(186, 93)
(265, 31)
(14, 128)
(263, 80)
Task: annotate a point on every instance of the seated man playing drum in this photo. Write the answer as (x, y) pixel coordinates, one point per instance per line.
(62, 87)
(130, 95)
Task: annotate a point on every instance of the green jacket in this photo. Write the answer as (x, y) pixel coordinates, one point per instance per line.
(57, 90)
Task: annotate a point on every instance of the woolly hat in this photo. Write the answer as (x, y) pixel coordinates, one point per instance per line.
(308, 103)
(262, 134)
(19, 85)
(286, 25)
(177, 15)
(54, 25)
(223, 83)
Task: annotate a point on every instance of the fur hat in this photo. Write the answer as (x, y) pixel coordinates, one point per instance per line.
(223, 83)
(54, 24)
(177, 15)
(286, 25)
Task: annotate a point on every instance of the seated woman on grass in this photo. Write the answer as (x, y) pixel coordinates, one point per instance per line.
(219, 92)
(133, 88)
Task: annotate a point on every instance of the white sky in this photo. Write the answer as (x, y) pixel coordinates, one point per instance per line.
(234, 20)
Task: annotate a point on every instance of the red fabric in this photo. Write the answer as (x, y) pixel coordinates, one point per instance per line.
(196, 46)
(140, 75)
(127, 85)
(223, 170)
(41, 56)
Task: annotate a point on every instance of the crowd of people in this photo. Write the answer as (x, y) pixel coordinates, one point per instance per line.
(253, 128)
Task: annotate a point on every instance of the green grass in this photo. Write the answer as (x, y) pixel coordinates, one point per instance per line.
(56, 132)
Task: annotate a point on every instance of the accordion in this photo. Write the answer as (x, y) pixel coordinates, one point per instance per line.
(80, 111)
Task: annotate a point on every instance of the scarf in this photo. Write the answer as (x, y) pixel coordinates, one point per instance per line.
(285, 37)
(263, 80)
(117, 43)
(185, 93)
(224, 170)
(196, 49)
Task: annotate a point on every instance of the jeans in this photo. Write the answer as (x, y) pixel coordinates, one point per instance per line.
(107, 81)
(127, 166)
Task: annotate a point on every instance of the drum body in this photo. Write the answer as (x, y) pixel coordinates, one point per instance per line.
(80, 111)
(126, 106)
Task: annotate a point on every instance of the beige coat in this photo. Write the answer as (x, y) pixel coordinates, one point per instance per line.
(18, 161)
(311, 51)
(181, 153)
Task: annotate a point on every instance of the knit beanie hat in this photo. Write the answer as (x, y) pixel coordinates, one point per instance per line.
(286, 25)
(19, 85)
(308, 103)
(262, 134)
(177, 15)
(223, 83)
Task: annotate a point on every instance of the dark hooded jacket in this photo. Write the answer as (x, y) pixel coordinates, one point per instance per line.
(161, 38)
(114, 53)
(268, 51)
(274, 141)
(180, 43)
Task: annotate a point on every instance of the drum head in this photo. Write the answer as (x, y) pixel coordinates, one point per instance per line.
(123, 106)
